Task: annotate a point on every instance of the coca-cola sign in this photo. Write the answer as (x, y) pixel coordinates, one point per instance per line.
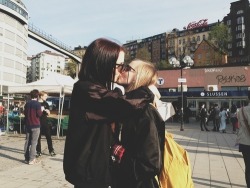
(200, 23)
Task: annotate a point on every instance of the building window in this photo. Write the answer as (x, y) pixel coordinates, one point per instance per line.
(239, 36)
(241, 52)
(199, 56)
(228, 22)
(229, 46)
(240, 20)
(179, 41)
(240, 12)
(198, 38)
(208, 55)
(204, 37)
(183, 41)
(238, 44)
(229, 53)
(239, 28)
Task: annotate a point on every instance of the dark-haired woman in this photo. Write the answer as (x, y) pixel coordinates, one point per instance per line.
(93, 107)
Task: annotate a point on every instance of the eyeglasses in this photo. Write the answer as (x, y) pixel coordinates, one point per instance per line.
(124, 68)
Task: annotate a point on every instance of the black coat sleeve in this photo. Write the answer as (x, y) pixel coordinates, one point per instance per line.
(104, 104)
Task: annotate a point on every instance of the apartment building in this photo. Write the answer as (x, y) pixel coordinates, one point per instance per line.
(238, 21)
(207, 54)
(156, 46)
(43, 64)
(176, 43)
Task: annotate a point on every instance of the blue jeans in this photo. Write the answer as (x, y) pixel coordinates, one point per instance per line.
(30, 143)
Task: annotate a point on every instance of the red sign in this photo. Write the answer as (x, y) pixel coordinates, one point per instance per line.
(200, 23)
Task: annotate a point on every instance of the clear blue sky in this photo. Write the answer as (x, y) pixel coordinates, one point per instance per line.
(79, 22)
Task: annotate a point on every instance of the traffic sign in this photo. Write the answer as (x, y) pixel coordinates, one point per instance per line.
(160, 81)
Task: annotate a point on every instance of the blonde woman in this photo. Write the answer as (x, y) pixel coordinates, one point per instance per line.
(142, 134)
(45, 127)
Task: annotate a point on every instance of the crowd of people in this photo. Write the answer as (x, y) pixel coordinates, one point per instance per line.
(220, 118)
(239, 118)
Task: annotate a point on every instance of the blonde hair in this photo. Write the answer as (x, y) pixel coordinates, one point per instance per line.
(146, 74)
(42, 93)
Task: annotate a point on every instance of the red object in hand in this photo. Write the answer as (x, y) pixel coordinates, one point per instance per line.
(118, 152)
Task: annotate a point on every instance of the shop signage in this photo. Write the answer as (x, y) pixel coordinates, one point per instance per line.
(193, 25)
(182, 80)
(214, 94)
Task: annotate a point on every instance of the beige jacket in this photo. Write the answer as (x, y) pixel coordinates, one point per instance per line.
(243, 136)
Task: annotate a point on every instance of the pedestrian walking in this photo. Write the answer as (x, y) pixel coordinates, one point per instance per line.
(223, 119)
(243, 138)
(216, 118)
(233, 117)
(203, 118)
(211, 115)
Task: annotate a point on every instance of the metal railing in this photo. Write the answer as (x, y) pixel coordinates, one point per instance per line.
(49, 38)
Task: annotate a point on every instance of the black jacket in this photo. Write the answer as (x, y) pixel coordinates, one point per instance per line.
(143, 139)
(87, 146)
(203, 113)
(43, 118)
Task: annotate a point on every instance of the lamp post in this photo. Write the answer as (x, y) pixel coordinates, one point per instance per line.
(181, 80)
(184, 63)
(182, 124)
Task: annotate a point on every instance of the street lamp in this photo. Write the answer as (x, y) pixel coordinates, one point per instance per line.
(185, 62)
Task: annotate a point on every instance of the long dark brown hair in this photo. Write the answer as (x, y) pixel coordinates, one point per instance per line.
(99, 62)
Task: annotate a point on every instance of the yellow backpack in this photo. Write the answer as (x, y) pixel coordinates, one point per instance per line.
(176, 171)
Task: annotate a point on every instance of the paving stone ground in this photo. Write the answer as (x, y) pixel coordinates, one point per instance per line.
(215, 161)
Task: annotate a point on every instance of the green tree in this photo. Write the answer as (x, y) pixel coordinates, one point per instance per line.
(163, 64)
(143, 54)
(71, 68)
(220, 36)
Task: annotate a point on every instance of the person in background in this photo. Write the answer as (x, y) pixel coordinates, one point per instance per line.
(211, 115)
(223, 119)
(243, 137)
(203, 116)
(45, 127)
(95, 104)
(1, 109)
(142, 135)
(216, 117)
(32, 112)
(233, 117)
(187, 114)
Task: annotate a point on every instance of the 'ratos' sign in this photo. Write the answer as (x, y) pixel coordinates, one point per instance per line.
(200, 23)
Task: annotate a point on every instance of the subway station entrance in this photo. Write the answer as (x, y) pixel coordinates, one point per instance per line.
(194, 100)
